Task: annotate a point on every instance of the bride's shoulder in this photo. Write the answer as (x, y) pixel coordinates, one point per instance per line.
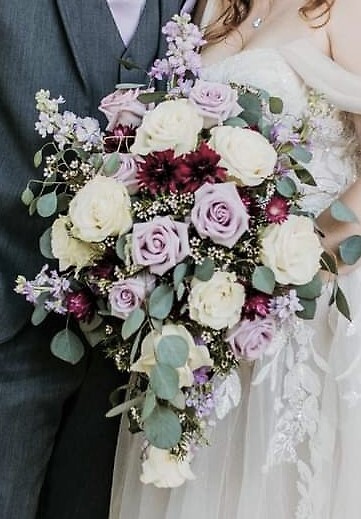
(345, 34)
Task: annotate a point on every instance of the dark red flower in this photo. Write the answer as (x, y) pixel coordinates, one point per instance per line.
(277, 210)
(202, 167)
(80, 305)
(120, 139)
(160, 171)
(256, 304)
(103, 270)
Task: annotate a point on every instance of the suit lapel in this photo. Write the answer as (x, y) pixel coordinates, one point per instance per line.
(97, 52)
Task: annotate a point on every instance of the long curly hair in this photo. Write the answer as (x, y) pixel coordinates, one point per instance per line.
(237, 11)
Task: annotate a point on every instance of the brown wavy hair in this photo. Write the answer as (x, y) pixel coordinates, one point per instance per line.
(238, 10)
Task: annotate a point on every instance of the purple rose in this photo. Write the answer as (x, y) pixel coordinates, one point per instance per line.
(127, 172)
(123, 108)
(249, 339)
(128, 294)
(219, 213)
(216, 102)
(160, 244)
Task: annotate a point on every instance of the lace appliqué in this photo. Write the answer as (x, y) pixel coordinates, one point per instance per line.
(297, 409)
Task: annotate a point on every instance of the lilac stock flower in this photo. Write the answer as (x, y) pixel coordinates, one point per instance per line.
(219, 213)
(127, 295)
(283, 307)
(249, 339)
(201, 400)
(160, 244)
(216, 102)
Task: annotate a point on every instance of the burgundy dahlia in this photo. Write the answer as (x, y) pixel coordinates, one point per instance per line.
(80, 305)
(120, 139)
(277, 210)
(256, 304)
(202, 167)
(160, 171)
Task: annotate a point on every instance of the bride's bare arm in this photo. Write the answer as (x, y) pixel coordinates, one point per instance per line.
(344, 31)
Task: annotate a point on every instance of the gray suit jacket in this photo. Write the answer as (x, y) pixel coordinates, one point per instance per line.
(72, 48)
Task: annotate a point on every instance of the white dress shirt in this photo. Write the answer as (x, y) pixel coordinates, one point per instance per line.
(126, 14)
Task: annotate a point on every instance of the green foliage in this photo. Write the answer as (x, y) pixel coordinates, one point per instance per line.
(45, 244)
(133, 323)
(341, 213)
(112, 164)
(46, 204)
(38, 158)
(124, 406)
(311, 290)
(179, 274)
(309, 309)
(305, 176)
(173, 351)
(300, 154)
(149, 405)
(162, 428)
(161, 302)
(205, 271)
(342, 304)
(152, 97)
(350, 249)
(27, 196)
(286, 187)
(263, 279)
(236, 122)
(120, 247)
(275, 105)
(252, 108)
(67, 346)
(164, 381)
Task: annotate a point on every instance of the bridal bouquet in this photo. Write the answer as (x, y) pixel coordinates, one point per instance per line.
(180, 241)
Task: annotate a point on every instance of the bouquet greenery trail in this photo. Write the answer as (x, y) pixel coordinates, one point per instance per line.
(181, 243)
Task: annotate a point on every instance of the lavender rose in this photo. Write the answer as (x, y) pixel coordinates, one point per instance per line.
(160, 244)
(127, 172)
(122, 107)
(216, 102)
(219, 213)
(249, 339)
(128, 294)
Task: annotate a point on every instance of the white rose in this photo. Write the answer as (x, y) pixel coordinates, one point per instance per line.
(217, 303)
(198, 356)
(247, 155)
(68, 250)
(164, 470)
(99, 209)
(292, 250)
(171, 125)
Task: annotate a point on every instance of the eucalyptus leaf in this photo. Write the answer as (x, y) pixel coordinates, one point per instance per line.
(252, 108)
(180, 291)
(125, 406)
(328, 262)
(350, 249)
(38, 158)
(179, 401)
(67, 346)
(205, 271)
(152, 97)
(135, 346)
(157, 324)
(149, 405)
(309, 309)
(311, 290)
(236, 122)
(305, 176)
(32, 207)
(342, 213)
(46, 204)
(179, 274)
(263, 279)
(133, 323)
(161, 302)
(275, 105)
(162, 428)
(164, 381)
(63, 201)
(39, 315)
(97, 161)
(111, 164)
(96, 336)
(120, 247)
(172, 350)
(92, 325)
(286, 187)
(27, 196)
(300, 154)
(45, 244)
(342, 304)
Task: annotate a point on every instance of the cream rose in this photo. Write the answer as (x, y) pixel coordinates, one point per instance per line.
(292, 250)
(99, 209)
(247, 155)
(172, 125)
(164, 470)
(198, 356)
(217, 303)
(71, 252)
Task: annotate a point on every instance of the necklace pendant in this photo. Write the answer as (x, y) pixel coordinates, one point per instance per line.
(256, 23)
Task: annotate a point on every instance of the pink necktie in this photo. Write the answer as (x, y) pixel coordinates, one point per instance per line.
(126, 14)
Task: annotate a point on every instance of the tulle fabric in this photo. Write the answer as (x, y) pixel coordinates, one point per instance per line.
(245, 474)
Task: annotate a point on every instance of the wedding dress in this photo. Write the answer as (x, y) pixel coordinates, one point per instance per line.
(291, 449)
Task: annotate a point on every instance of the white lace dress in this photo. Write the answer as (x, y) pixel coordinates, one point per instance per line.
(292, 449)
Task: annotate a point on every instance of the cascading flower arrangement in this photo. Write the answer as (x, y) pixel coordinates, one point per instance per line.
(181, 244)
